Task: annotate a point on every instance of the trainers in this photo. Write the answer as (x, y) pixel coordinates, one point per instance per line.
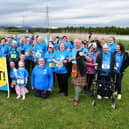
(23, 98)
(99, 97)
(119, 97)
(18, 97)
(106, 97)
(115, 93)
(76, 103)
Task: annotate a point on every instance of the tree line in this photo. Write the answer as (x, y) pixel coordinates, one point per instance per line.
(101, 30)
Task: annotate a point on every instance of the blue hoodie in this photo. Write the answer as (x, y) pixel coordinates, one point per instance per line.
(42, 78)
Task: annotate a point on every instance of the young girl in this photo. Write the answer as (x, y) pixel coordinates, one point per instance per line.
(13, 74)
(22, 75)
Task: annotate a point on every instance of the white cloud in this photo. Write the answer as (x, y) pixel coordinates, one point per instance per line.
(63, 13)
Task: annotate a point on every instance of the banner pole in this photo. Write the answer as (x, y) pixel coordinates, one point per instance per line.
(7, 78)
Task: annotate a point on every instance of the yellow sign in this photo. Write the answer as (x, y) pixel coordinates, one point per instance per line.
(3, 75)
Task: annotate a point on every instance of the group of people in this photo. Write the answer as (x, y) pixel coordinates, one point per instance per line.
(39, 61)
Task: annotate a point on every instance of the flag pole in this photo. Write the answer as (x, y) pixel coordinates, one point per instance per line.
(7, 77)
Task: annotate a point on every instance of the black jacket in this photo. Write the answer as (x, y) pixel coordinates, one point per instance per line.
(81, 64)
(99, 61)
(125, 63)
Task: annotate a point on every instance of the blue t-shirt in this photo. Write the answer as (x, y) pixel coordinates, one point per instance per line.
(112, 47)
(60, 56)
(74, 53)
(13, 74)
(4, 49)
(22, 74)
(106, 63)
(27, 49)
(39, 50)
(49, 57)
(119, 61)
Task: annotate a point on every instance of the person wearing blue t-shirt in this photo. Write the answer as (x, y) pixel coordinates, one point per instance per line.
(13, 74)
(27, 48)
(106, 65)
(4, 47)
(112, 45)
(60, 59)
(22, 75)
(122, 62)
(49, 59)
(42, 79)
(39, 49)
(78, 80)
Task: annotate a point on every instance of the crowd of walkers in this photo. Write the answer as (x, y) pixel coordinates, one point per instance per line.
(36, 61)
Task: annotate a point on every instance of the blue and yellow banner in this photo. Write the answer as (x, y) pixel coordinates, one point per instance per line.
(4, 85)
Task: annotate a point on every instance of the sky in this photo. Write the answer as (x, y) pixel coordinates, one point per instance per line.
(88, 13)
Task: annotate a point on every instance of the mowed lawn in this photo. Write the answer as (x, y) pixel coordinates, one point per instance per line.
(57, 112)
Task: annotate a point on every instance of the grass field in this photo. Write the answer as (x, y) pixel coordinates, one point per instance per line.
(57, 112)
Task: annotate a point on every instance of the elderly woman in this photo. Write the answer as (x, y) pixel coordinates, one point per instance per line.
(42, 79)
(106, 65)
(78, 80)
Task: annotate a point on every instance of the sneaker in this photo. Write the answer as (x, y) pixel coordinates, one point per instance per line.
(18, 97)
(119, 97)
(23, 98)
(99, 97)
(76, 103)
(115, 93)
(106, 97)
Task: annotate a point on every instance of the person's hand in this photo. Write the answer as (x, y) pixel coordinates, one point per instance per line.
(81, 54)
(34, 60)
(95, 64)
(32, 88)
(115, 68)
(49, 89)
(65, 61)
(58, 63)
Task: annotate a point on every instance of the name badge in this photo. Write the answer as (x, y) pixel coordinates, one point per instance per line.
(59, 65)
(20, 81)
(13, 55)
(38, 54)
(51, 65)
(105, 66)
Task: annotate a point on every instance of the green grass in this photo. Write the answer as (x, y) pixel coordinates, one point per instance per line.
(57, 112)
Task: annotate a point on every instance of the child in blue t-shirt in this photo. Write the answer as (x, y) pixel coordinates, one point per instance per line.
(13, 74)
(22, 75)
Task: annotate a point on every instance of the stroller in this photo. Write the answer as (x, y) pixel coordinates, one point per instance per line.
(105, 87)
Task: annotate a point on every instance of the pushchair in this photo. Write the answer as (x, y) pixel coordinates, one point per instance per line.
(105, 87)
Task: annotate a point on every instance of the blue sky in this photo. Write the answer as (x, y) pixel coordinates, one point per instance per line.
(65, 12)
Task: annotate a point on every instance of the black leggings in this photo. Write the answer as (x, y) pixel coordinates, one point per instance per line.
(90, 78)
(118, 87)
(63, 83)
